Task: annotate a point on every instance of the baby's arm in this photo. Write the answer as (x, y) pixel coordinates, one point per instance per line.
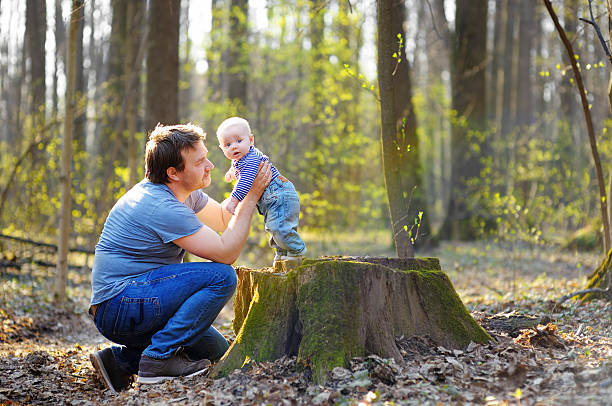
(229, 175)
(248, 171)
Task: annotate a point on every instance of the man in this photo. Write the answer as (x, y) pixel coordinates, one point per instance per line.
(143, 297)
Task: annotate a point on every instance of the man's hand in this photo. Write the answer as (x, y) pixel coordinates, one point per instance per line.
(229, 175)
(230, 204)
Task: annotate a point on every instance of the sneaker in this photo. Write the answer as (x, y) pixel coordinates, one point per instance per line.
(115, 378)
(279, 255)
(152, 370)
(290, 260)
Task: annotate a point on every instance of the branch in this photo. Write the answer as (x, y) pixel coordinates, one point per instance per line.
(350, 6)
(44, 244)
(599, 34)
(606, 292)
(589, 123)
(443, 38)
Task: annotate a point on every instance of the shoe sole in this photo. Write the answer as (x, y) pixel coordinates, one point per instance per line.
(99, 367)
(158, 379)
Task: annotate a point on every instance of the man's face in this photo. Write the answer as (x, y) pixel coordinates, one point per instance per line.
(196, 174)
(235, 141)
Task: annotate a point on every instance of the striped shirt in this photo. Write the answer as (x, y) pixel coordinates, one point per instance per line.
(245, 170)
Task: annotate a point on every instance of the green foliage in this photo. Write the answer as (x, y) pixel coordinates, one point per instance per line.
(315, 122)
(316, 115)
(536, 185)
(32, 198)
(317, 125)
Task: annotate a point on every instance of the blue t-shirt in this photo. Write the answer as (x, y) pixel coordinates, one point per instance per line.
(138, 234)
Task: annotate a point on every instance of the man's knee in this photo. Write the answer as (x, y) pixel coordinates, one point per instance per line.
(228, 278)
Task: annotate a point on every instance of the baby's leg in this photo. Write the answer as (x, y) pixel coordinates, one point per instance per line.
(282, 218)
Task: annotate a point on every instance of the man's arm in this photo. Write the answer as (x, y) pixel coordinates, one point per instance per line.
(214, 216)
(225, 248)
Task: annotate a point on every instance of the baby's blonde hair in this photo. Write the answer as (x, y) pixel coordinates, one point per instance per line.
(228, 122)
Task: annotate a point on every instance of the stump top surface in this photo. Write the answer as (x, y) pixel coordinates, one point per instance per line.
(401, 264)
(426, 263)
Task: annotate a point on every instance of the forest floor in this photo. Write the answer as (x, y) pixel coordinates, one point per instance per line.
(568, 361)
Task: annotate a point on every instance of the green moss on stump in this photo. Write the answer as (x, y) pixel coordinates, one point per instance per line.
(446, 317)
(266, 329)
(330, 310)
(329, 314)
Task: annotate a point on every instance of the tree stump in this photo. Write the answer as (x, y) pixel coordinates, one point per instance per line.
(332, 309)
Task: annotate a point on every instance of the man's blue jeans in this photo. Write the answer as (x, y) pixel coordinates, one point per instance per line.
(280, 206)
(166, 309)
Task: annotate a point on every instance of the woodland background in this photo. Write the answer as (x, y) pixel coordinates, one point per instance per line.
(443, 128)
(304, 74)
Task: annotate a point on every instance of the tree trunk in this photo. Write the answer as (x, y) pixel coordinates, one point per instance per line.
(315, 74)
(238, 60)
(136, 10)
(162, 63)
(186, 72)
(80, 86)
(19, 104)
(215, 54)
(524, 99)
(398, 127)
(348, 28)
(36, 35)
(507, 155)
(330, 310)
(410, 173)
(97, 65)
(435, 87)
(569, 103)
(112, 131)
(497, 55)
(509, 79)
(65, 219)
(469, 101)
(60, 39)
(5, 88)
(609, 9)
(115, 91)
(130, 98)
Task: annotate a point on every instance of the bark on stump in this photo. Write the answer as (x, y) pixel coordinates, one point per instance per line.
(332, 309)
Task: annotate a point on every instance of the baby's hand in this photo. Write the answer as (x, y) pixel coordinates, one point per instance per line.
(230, 204)
(229, 176)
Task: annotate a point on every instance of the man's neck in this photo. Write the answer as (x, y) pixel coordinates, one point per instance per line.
(179, 192)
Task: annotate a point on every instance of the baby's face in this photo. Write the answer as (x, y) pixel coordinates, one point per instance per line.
(235, 141)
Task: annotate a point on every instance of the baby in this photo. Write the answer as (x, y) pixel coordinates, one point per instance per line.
(279, 203)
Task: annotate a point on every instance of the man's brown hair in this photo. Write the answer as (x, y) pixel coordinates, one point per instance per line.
(164, 149)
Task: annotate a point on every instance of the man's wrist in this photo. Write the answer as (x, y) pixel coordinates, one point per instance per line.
(250, 199)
